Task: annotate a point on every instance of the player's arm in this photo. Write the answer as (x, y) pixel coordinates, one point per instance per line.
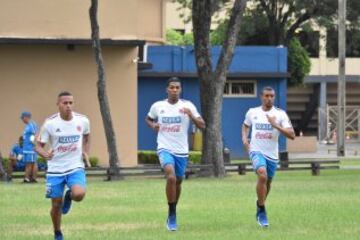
(196, 119)
(86, 149)
(152, 123)
(42, 139)
(86, 144)
(245, 136)
(40, 149)
(287, 131)
(199, 122)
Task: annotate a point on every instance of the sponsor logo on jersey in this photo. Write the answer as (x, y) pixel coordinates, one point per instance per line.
(170, 120)
(69, 148)
(173, 128)
(265, 135)
(69, 139)
(263, 126)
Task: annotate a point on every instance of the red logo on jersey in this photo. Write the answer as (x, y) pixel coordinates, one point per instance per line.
(173, 128)
(263, 135)
(79, 128)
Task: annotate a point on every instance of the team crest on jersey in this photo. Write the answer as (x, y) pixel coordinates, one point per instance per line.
(255, 117)
(58, 130)
(79, 128)
(162, 111)
(181, 111)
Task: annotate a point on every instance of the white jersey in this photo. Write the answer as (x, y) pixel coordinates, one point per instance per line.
(66, 140)
(264, 138)
(174, 125)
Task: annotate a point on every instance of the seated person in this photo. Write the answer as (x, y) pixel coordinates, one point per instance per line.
(16, 161)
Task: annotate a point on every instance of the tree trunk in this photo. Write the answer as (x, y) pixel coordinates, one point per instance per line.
(211, 106)
(212, 82)
(114, 171)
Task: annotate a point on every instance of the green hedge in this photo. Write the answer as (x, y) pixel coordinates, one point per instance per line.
(150, 157)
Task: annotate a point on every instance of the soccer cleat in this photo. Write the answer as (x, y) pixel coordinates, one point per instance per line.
(171, 223)
(58, 236)
(261, 217)
(67, 202)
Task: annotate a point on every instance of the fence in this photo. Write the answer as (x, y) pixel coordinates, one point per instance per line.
(329, 114)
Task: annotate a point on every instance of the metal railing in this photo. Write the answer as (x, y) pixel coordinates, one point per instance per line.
(329, 115)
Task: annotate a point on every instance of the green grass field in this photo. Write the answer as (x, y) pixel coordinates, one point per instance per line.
(300, 207)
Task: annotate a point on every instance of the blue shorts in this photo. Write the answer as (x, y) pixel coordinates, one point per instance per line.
(30, 158)
(259, 160)
(179, 163)
(55, 185)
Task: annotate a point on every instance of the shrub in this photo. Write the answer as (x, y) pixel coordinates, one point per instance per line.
(94, 161)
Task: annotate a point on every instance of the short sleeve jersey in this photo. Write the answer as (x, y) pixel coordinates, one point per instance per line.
(265, 138)
(174, 125)
(66, 140)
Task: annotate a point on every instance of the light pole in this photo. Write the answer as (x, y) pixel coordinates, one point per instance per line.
(341, 102)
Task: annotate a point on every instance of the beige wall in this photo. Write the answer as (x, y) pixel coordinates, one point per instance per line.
(330, 66)
(32, 76)
(118, 19)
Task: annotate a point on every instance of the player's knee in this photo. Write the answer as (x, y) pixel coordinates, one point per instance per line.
(262, 175)
(78, 196)
(171, 178)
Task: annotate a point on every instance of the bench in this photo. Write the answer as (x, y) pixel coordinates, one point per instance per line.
(314, 164)
(354, 151)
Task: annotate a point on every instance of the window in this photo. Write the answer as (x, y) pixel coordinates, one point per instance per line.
(236, 88)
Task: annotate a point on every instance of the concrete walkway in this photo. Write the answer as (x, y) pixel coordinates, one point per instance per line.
(352, 150)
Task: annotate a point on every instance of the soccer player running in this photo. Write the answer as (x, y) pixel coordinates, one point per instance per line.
(267, 123)
(68, 134)
(30, 156)
(171, 118)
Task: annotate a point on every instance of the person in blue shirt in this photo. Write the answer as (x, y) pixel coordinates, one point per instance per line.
(16, 159)
(30, 156)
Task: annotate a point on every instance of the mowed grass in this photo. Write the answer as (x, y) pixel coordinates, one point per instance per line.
(300, 206)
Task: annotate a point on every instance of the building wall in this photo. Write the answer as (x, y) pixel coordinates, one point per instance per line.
(32, 76)
(118, 19)
(330, 66)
